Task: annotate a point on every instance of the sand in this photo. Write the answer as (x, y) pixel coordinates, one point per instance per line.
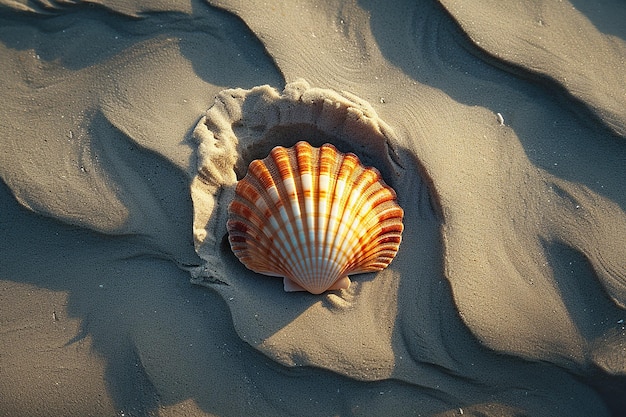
(500, 125)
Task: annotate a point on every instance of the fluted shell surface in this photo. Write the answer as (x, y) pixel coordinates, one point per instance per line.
(313, 216)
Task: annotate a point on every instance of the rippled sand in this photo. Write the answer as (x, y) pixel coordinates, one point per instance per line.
(501, 126)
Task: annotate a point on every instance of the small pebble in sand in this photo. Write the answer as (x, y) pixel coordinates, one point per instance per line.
(500, 119)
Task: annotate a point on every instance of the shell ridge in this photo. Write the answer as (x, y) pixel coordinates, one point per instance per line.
(352, 216)
(249, 219)
(382, 248)
(269, 265)
(316, 203)
(304, 157)
(375, 255)
(330, 159)
(314, 165)
(290, 226)
(366, 215)
(336, 239)
(269, 200)
(241, 211)
(342, 170)
(286, 171)
(300, 164)
(382, 245)
(245, 250)
(362, 210)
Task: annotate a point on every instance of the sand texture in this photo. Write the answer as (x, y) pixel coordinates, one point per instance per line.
(126, 125)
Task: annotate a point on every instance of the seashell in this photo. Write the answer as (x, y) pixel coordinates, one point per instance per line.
(313, 216)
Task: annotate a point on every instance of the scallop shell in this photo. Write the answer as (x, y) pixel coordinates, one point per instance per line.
(313, 216)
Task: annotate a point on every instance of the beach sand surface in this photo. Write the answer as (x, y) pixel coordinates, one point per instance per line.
(125, 125)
